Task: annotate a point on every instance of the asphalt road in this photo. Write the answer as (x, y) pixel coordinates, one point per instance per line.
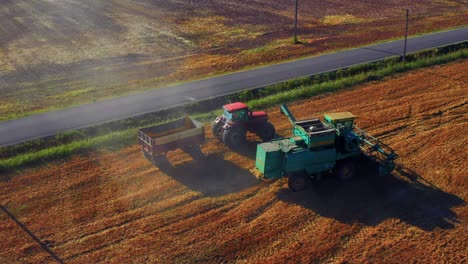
(50, 123)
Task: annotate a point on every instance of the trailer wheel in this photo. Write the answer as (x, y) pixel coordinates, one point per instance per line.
(297, 182)
(266, 131)
(234, 136)
(346, 170)
(145, 154)
(217, 127)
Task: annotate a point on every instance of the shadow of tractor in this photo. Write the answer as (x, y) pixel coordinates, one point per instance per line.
(370, 199)
(248, 149)
(211, 175)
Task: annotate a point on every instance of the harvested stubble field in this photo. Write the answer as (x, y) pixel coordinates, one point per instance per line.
(119, 208)
(59, 53)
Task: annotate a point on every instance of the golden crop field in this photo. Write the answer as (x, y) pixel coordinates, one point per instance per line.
(116, 207)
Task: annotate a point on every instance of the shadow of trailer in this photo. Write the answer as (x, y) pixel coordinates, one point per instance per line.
(184, 133)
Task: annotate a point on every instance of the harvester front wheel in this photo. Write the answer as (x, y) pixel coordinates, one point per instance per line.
(297, 182)
(234, 136)
(346, 170)
(266, 131)
(217, 127)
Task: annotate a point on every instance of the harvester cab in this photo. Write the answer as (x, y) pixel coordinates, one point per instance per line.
(343, 123)
(340, 120)
(237, 119)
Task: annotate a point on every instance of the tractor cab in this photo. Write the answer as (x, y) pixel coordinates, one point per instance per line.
(238, 112)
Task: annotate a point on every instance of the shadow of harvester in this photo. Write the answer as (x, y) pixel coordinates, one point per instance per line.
(371, 199)
(211, 175)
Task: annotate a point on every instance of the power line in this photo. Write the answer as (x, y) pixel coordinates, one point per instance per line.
(295, 21)
(406, 35)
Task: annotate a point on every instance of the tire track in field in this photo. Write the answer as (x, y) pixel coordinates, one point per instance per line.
(126, 218)
(118, 232)
(195, 219)
(208, 213)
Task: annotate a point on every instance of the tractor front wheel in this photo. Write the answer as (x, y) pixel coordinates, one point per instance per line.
(346, 170)
(217, 127)
(266, 131)
(297, 182)
(234, 137)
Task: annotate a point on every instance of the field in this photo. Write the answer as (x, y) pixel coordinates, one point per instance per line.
(118, 208)
(55, 54)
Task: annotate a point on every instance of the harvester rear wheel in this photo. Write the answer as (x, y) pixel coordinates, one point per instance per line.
(266, 131)
(297, 182)
(217, 127)
(234, 136)
(346, 170)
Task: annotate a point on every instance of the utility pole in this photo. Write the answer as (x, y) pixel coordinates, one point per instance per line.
(295, 22)
(406, 35)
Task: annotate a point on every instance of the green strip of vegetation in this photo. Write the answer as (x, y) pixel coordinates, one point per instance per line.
(122, 133)
(111, 141)
(393, 65)
(338, 84)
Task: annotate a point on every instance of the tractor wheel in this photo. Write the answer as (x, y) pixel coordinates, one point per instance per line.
(297, 182)
(234, 137)
(346, 170)
(217, 127)
(266, 131)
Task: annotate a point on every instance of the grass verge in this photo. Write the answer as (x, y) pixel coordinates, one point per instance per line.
(309, 90)
(111, 141)
(116, 135)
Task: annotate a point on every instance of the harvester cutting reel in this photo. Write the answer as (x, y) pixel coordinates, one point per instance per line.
(375, 150)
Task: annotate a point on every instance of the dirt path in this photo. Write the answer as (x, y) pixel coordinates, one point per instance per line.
(118, 208)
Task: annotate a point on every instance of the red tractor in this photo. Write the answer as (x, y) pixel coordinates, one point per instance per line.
(232, 126)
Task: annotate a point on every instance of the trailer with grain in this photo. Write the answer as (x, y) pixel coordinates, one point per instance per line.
(156, 141)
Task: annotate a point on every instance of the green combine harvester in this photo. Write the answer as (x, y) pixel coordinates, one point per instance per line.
(335, 146)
